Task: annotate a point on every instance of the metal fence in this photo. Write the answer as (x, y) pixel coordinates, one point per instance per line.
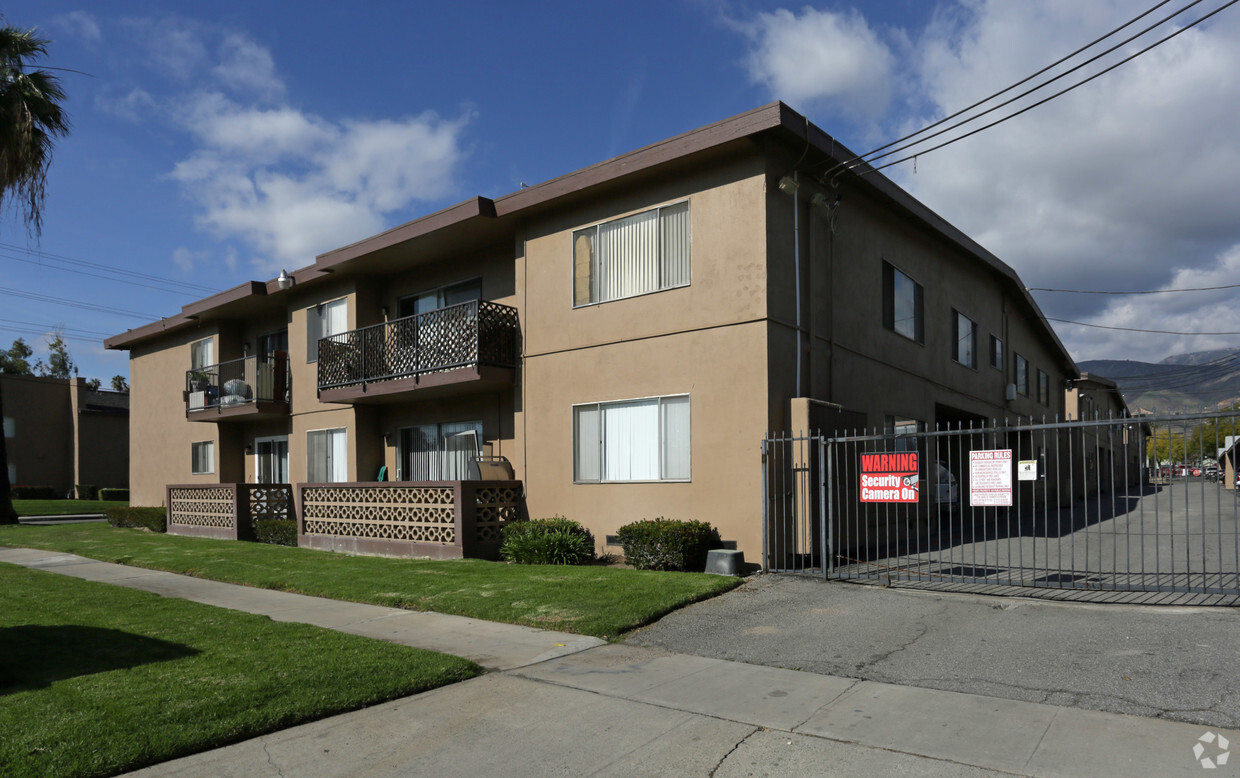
(1120, 504)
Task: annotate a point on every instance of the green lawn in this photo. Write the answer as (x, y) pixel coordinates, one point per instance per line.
(63, 507)
(97, 679)
(594, 600)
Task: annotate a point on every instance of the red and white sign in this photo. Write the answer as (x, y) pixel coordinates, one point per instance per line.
(889, 477)
(990, 478)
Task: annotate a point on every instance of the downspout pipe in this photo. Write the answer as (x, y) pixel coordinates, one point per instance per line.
(796, 267)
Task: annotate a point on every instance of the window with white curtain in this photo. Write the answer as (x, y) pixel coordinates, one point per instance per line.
(202, 455)
(632, 440)
(202, 353)
(323, 321)
(642, 253)
(327, 459)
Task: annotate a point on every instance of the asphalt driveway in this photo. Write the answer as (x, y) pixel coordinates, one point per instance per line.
(1165, 662)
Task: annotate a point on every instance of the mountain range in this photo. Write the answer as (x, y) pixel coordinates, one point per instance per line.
(1197, 381)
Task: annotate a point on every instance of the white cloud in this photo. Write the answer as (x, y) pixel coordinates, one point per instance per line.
(81, 24)
(135, 106)
(247, 66)
(1127, 183)
(185, 259)
(821, 58)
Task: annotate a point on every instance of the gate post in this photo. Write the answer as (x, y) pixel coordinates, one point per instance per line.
(766, 519)
(826, 503)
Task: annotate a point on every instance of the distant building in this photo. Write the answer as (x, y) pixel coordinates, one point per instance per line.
(60, 434)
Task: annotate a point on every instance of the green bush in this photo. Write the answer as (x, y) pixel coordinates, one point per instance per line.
(86, 492)
(279, 532)
(553, 541)
(667, 544)
(34, 493)
(154, 519)
(114, 495)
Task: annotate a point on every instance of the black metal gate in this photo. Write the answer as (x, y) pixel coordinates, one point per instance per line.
(1144, 504)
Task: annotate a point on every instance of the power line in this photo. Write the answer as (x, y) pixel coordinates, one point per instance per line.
(28, 331)
(1060, 93)
(55, 327)
(1152, 291)
(94, 275)
(848, 164)
(74, 304)
(44, 255)
(1134, 329)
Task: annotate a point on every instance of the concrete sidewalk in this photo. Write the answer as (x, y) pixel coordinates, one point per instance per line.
(588, 708)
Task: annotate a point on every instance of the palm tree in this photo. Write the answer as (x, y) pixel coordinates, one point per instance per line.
(31, 118)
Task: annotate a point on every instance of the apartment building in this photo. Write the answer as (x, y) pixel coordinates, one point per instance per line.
(624, 336)
(61, 434)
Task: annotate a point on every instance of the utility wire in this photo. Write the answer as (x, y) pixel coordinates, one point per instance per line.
(74, 304)
(1134, 329)
(27, 331)
(109, 268)
(1046, 83)
(848, 164)
(95, 275)
(1153, 291)
(1060, 93)
(54, 327)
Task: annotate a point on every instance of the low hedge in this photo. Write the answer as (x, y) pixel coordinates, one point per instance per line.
(114, 495)
(34, 493)
(553, 541)
(86, 491)
(153, 519)
(667, 544)
(278, 532)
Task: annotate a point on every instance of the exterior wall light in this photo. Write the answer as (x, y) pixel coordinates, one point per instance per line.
(285, 281)
(789, 185)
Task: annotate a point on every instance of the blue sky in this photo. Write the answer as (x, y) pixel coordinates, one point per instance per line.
(216, 143)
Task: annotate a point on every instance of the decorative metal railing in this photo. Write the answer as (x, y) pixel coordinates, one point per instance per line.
(226, 510)
(470, 334)
(238, 382)
(445, 518)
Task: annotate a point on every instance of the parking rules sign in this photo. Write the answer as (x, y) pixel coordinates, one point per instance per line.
(990, 478)
(890, 477)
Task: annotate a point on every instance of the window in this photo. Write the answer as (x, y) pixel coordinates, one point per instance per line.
(642, 253)
(1022, 375)
(905, 431)
(271, 460)
(327, 460)
(964, 340)
(323, 321)
(10, 427)
(902, 305)
(203, 455)
(12, 473)
(1044, 388)
(633, 440)
(202, 354)
(438, 452)
(442, 297)
(996, 353)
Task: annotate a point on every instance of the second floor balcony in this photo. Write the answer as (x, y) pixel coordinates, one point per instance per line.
(467, 347)
(250, 388)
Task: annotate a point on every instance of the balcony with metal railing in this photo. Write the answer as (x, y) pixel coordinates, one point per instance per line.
(250, 388)
(467, 347)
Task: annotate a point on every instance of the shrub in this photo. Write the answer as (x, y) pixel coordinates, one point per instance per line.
(553, 541)
(86, 492)
(154, 519)
(667, 544)
(34, 493)
(114, 495)
(279, 532)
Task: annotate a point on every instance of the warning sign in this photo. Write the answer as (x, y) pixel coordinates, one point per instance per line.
(889, 477)
(990, 478)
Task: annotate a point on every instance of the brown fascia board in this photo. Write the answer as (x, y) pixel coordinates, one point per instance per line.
(473, 208)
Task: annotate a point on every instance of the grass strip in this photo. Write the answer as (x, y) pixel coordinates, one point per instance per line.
(64, 507)
(590, 600)
(98, 679)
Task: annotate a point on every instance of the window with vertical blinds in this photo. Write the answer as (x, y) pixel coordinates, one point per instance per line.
(327, 459)
(202, 457)
(323, 321)
(639, 254)
(633, 440)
